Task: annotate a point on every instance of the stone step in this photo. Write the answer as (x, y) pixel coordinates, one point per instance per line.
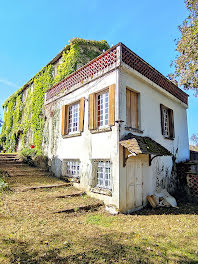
(85, 208)
(8, 157)
(25, 170)
(10, 160)
(8, 154)
(18, 174)
(11, 164)
(43, 187)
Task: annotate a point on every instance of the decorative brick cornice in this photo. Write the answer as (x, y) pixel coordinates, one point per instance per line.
(103, 62)
(108, 61)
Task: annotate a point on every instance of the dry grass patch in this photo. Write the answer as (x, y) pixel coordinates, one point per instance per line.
(31, 233)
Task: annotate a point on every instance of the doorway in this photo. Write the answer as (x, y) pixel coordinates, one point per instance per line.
(134, 183)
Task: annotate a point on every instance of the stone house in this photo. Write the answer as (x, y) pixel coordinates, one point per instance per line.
(114, 128)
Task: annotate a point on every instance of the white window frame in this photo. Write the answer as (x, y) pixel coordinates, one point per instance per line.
(104, 169)
(104, 122)
(72, 168)
(73, 118)
(166, 122)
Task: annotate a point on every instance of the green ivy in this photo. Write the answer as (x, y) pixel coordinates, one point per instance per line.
(23, 117)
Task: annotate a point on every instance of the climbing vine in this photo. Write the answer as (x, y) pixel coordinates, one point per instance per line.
(24, 110)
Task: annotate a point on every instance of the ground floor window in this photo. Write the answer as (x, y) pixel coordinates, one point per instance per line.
(103, 174)
(72, 168)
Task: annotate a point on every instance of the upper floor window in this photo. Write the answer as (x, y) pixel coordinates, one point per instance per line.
(32, 87)
(24, 95)
(167, 122)
(102, 108)
(132, 109)
(73, 118)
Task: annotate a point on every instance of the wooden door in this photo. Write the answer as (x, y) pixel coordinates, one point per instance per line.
(134, 188)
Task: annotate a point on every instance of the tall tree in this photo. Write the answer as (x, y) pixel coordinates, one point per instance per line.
(186, 63)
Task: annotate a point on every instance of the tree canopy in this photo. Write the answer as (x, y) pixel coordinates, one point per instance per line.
(186, 62)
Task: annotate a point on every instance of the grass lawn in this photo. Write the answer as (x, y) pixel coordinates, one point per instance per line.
(30, 231)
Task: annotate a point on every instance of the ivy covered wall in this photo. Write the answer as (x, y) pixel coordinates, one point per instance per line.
(23, 111)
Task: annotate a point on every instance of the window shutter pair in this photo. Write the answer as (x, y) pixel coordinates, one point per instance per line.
(64, 130)
(171, 121)
(93, 108)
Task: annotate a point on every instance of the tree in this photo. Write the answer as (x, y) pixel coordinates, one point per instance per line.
(194, 139)
(186, 62)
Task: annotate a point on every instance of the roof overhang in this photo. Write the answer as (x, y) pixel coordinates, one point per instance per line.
(137, 145)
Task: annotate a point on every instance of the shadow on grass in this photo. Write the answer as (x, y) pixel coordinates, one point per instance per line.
(183, 208)
(111, 248)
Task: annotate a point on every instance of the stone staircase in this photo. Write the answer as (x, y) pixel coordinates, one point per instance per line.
(12, 164)
(22, 175)
(35, 186)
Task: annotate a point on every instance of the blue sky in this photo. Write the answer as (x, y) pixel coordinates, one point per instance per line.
(33, 32)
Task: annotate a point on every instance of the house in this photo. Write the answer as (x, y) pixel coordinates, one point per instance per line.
(115, 127)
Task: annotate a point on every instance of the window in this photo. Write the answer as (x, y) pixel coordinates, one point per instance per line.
(167, 122)
(73, 122)
(132, 111)
(32, 87)
(103, 174)
(24, 95)
(72, 168)
(102, 108)
(73, 118)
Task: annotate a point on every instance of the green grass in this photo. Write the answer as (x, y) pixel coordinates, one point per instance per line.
(100, 220)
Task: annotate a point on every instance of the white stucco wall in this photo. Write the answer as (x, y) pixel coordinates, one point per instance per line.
(151, 97)
(87, 146)
(105, 145)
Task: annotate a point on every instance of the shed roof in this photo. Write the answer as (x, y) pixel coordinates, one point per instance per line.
(143, 145)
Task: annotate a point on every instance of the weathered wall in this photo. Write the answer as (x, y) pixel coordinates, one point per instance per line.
(105, 145)
(159, 173)
(86, 146)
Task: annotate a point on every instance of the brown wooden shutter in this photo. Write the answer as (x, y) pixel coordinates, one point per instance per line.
(91, 111)
(81, 117)
(128, 108)
(162, 118)
(131, 109)
(171, 123)
(64, 120)
(134, 109)
(112, 105)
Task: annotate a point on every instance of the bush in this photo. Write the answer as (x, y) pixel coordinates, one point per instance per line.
(34, 157)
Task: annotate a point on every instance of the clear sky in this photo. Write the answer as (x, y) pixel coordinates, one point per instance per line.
(33, 32)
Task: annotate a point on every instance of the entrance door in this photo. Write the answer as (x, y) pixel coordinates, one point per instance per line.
(134, 183)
